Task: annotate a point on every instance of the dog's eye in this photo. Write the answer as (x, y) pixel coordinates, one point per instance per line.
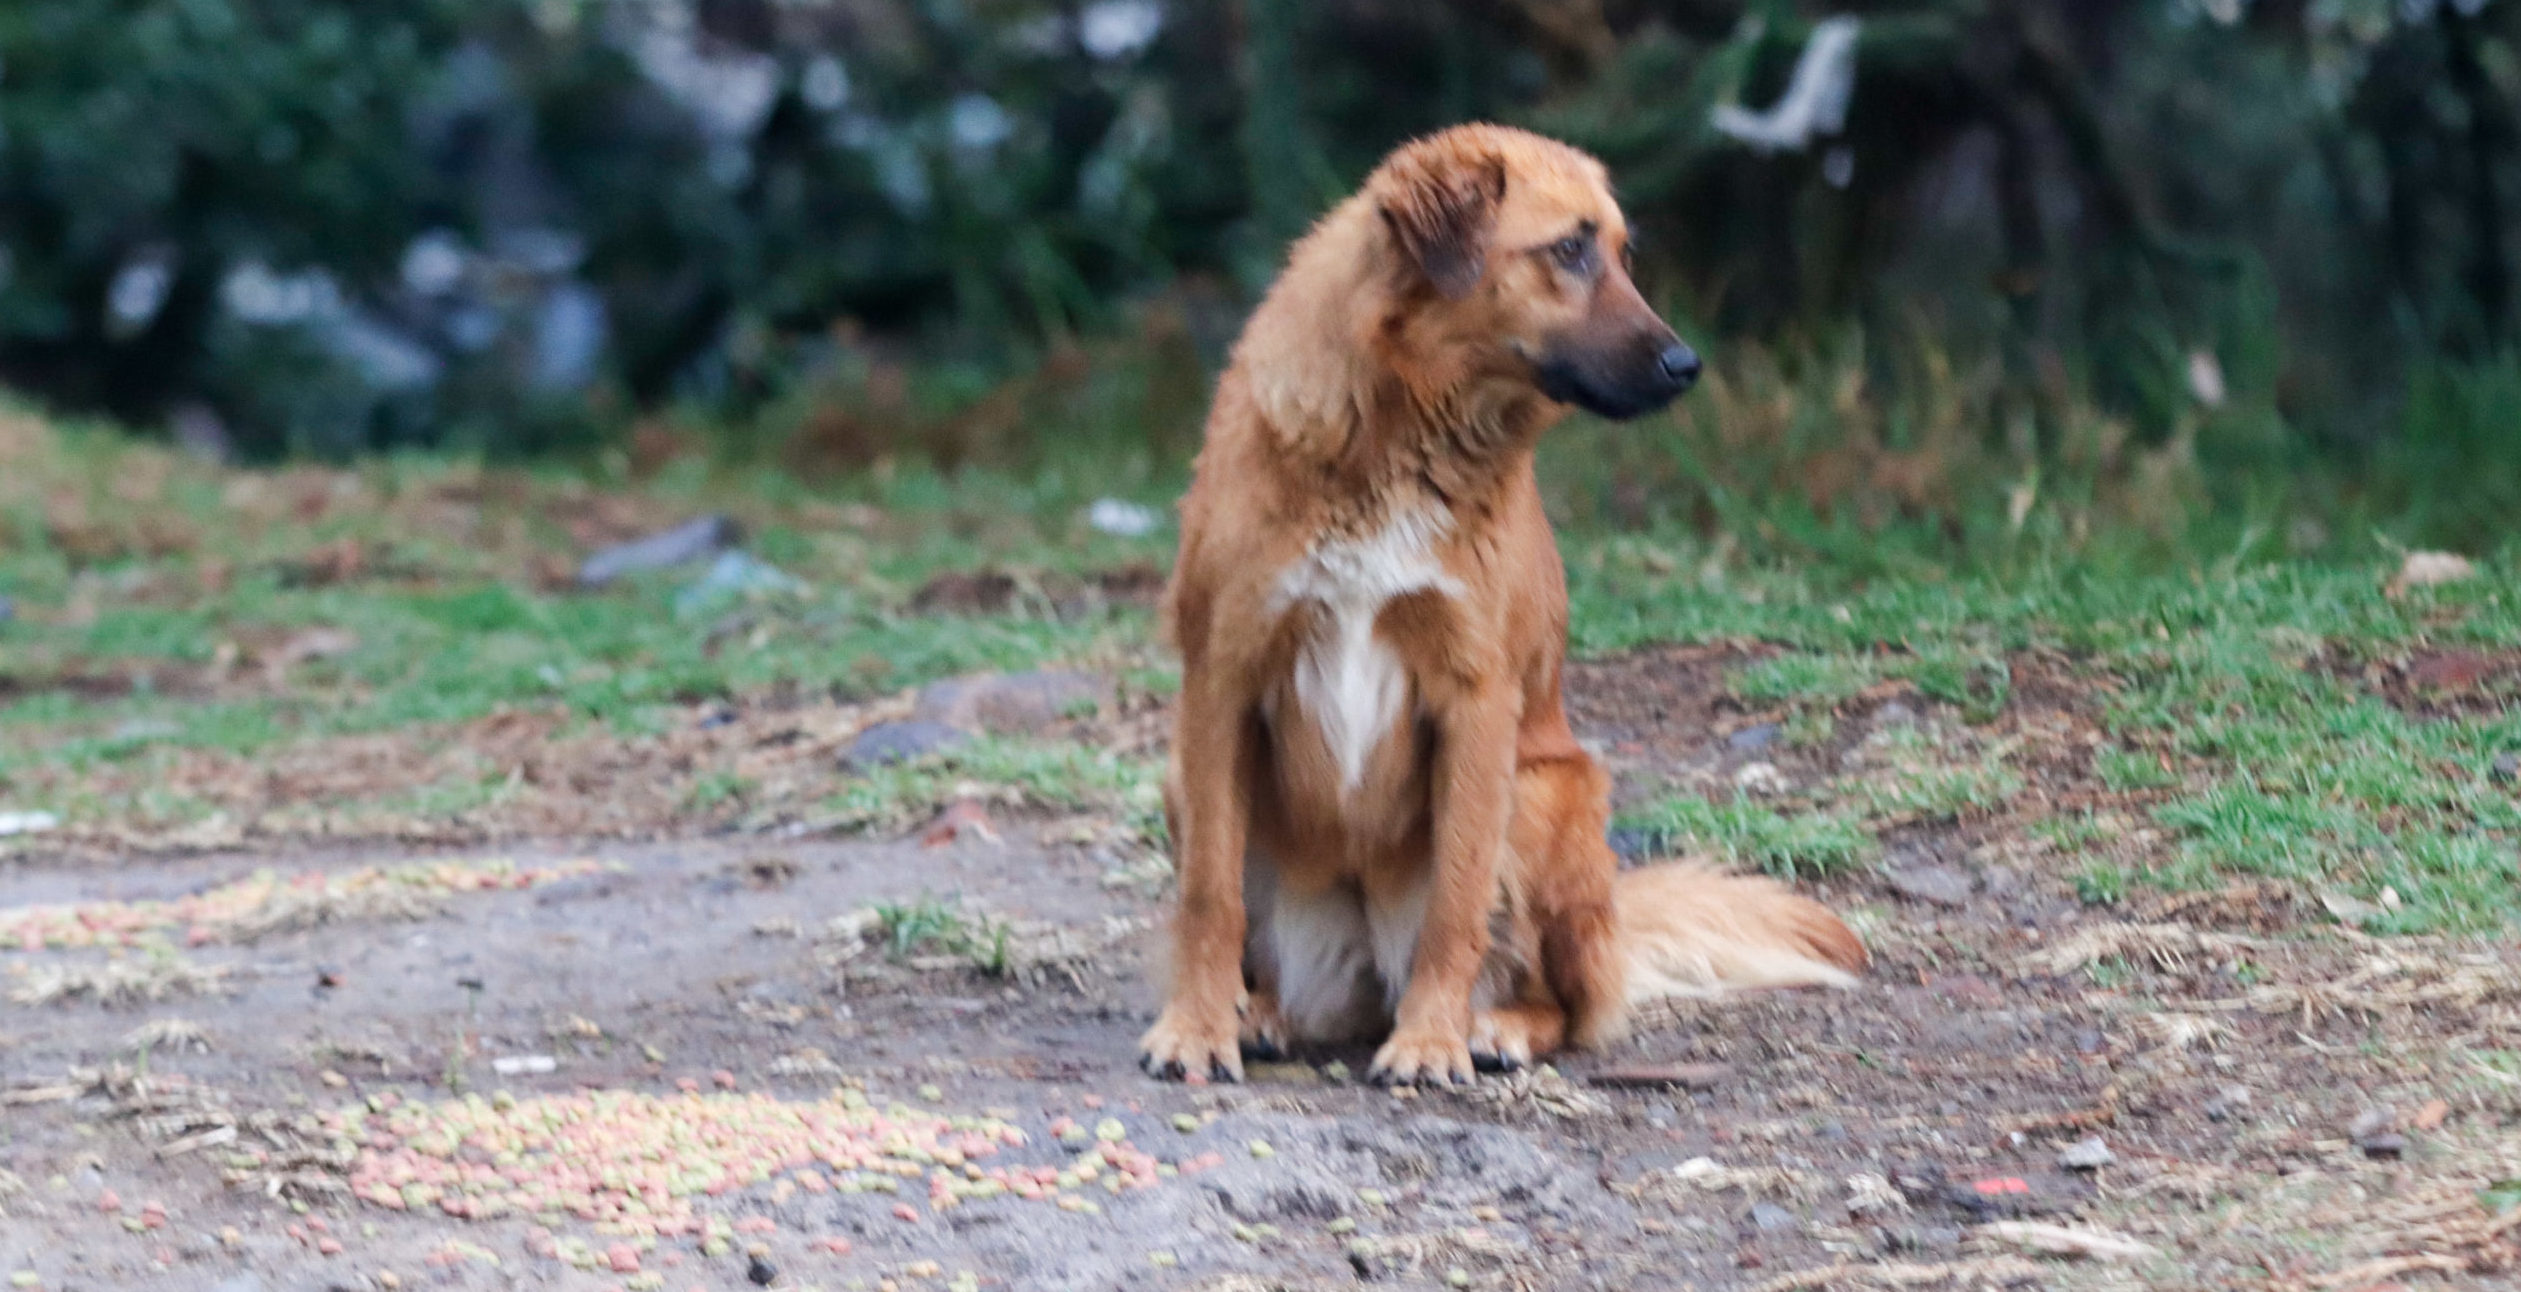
(1572, 251)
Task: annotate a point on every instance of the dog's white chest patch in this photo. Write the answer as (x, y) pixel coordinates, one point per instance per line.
(1349, 682)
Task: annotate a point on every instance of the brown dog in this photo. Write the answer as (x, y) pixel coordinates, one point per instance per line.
(1382, 817)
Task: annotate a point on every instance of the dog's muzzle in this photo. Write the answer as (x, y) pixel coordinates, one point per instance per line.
(1636, 381)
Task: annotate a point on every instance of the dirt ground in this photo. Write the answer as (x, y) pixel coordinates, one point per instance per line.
(2278, 1102)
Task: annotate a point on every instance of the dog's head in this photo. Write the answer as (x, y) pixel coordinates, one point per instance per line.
(1510, 248)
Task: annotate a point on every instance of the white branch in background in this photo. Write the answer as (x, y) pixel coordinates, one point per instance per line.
(1815, 101)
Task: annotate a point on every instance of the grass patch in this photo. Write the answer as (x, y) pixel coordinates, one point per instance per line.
(2278, 765)
(1803, 678)
(1058, 777)
(931, 926)
(2126, 770)
(2101, 883)
(1745, 831)
(165, 607)
(162, 605)
(1918, 785)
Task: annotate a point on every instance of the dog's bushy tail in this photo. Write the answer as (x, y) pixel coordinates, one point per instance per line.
(1687, 929)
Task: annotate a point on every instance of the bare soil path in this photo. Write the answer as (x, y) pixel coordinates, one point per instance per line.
(825, 1098)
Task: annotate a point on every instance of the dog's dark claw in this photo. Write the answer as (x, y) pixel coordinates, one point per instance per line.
(1169, 1070)
(1495, 1062)
(1264, 1050)
(1223, 1075)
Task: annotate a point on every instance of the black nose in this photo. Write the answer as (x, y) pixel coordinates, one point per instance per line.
(1680, 363)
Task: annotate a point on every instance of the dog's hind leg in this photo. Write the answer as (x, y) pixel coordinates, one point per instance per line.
(1508, 1037)
(1264, 1029)
(1515, 1015)
(1564, 870)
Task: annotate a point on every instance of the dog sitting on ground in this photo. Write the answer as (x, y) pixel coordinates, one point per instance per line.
(1384, 824)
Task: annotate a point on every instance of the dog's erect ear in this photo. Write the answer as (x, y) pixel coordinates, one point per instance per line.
(1440, 204)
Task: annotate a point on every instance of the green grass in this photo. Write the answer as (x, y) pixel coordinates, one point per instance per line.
(2210, 683)
(2225, 678)
(1919, 784)
(934, 926)
(1803, 678)
(2101, 883)
(173, 645)
(1055, 777)
(1745, 831)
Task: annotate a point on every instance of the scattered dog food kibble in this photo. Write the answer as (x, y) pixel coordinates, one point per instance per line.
(264, 902)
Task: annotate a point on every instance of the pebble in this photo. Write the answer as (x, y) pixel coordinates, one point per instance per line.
(886, 743)
(685, 543)
(2226, 1102)
(1761, 779)
(1936, 884)
(1457, 1277)
(1185, 1123)
(2506, 768)
(736, 574)
(2375, 1120)
(1930, 1238)
(1631, 843)
(2386, 1147)
(1771, 1218)
(1261, 1149)
(1753, 738)
(2088, 1154)
(1012, 704)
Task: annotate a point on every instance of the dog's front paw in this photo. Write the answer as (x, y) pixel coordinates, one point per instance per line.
(1181, 1044)
(1422, 1057)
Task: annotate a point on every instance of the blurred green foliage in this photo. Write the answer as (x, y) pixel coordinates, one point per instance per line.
(2275, 234)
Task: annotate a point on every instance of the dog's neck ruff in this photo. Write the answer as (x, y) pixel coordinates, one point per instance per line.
(1349, 682)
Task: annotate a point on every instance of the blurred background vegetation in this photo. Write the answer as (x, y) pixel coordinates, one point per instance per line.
(1966, 268)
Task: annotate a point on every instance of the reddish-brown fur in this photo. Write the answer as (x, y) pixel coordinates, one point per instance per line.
(1372, 614)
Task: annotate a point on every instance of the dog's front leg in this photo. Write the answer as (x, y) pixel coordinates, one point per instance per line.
(1473, 804)
(1198, 1030)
